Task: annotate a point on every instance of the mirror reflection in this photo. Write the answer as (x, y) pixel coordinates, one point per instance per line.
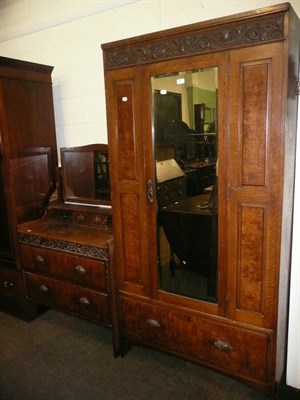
(185, 132)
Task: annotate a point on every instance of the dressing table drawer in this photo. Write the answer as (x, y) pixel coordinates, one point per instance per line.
(237, 351)
(80, 270)
(77, 300)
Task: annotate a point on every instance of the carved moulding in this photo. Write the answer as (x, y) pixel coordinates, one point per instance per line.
(247, 33)
(74, 248)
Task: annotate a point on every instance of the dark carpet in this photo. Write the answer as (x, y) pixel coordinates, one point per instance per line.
(61, 357)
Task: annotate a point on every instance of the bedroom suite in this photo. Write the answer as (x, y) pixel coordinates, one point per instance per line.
(149, 190)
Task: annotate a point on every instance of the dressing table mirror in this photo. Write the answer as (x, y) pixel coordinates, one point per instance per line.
(84, 185)
(85, 175)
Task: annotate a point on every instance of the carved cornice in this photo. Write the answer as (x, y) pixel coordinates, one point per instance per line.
(83, 250)
(201, 41)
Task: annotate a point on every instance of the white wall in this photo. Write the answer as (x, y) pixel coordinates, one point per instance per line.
(68, 34)
(293, 364)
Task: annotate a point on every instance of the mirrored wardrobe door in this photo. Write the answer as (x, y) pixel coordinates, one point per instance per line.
(188, 141)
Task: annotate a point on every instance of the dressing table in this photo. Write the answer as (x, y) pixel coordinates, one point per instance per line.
(67, 254)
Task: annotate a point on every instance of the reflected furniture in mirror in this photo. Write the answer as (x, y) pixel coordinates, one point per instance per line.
(67, 254)
(190, 230)
(188, 221)
(220, 216)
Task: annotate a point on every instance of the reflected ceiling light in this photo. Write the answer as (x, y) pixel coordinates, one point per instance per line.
(180, 81)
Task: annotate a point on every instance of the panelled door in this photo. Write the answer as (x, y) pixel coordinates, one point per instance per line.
(128, 180)
(255, 166)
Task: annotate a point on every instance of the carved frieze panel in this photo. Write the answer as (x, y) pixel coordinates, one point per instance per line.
(74, 248)
(198, 41)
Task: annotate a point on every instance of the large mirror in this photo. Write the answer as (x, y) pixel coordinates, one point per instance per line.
(185, 109)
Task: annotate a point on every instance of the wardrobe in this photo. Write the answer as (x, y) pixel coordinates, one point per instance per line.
(202, 271)
(28, 162)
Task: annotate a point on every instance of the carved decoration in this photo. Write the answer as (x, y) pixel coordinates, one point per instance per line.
(89, 251)
(247, 33)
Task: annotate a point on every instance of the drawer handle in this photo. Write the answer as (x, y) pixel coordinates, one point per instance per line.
(80, 218)
(222, 345)
(153, 323)
(8, 284)
(84, 301)
(80, 269)
(39, 259)
(43, 288)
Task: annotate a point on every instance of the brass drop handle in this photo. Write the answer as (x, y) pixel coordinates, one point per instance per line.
(152, 323)
(222, 345)
(84, 301)
(80, 269)
(150, 193)
(39, 259)
(43, 288)
(8, 284)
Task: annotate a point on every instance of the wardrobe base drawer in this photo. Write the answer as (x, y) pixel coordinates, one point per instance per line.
(75, 299)
(239, 352)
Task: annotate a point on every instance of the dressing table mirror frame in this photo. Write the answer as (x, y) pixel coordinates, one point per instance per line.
(86, 172)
